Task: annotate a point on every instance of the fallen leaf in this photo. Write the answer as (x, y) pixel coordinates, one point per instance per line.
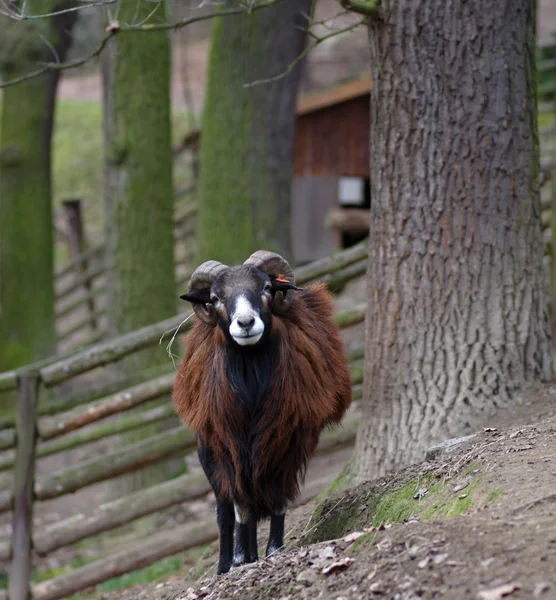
(487, 562)
(439, 558)
(487, 429)
(423, 563)
(540, 588)
(372, 573)
(462, 496)
(343, 563)
(351, 537)
(499, 592)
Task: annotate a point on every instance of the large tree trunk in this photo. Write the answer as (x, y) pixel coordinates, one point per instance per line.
(139, 191)
(246, 159)
(27, 326)
(457, 314)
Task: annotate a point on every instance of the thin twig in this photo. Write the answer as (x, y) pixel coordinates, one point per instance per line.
(52, 49)
(300, 57)
(21, 16)
(146, 27)
(157, 6)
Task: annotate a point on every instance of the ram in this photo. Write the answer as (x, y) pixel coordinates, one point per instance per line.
(263, 374)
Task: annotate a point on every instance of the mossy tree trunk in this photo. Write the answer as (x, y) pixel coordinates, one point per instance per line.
(139, 190)
(27, 327)
(457, 312)
(246, 158)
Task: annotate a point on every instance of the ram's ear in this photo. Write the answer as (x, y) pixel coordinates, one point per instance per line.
(202, 305)
(201, 296)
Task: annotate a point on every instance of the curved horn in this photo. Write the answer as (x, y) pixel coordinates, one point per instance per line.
(274, 265)
(203, 278)
(205, 274)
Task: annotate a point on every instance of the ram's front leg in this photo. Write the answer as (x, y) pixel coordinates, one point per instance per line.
(246, 537)
(225, 518)
(276, 537)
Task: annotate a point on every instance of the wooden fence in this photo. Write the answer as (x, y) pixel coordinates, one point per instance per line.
(49, 422)
(80, 285)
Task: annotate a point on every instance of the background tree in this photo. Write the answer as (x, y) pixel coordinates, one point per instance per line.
(246, 159)
(138, 188)
(457, 321)
(26, 232)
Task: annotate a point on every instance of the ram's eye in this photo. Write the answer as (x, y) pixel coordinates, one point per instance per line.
(214, 299)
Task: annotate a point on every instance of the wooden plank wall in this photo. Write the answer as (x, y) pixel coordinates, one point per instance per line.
(334, 140)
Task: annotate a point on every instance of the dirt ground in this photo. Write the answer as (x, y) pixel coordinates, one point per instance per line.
(501, 485)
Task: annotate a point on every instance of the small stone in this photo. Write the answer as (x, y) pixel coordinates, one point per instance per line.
(306, 576)
(421, 493)
(446, 447)
(461, 485)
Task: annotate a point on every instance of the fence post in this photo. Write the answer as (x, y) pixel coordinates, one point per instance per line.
(553, 230)
(24, 475)
(78, 245)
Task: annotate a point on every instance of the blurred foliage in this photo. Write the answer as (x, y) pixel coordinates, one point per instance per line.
(547, 77)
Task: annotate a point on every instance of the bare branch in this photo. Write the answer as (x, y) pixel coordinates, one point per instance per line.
(300, 57)
(22, 16)
(113, 31)
(51, 48)
(370, 8)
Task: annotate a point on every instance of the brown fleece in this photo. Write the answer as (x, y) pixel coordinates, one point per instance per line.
(311, 388)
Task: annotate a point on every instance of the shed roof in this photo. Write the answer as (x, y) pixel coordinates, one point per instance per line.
(309, 103)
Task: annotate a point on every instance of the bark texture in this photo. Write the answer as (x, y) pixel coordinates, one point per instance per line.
(457, 313)
(138, 192)
(139, 195)
(26, 240)
(246, 160)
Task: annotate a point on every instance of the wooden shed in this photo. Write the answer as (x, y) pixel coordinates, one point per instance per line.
(331, 169)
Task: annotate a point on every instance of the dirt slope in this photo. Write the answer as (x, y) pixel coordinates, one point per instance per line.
(478, 522)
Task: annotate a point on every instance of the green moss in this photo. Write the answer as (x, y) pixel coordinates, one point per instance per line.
(378, 504)
(399, 505)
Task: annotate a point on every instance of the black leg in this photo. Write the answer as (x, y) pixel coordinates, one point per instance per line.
(253, 549)
(276, 537)
(246, 539)
(241, 553)
(224, 510)
(225, 518)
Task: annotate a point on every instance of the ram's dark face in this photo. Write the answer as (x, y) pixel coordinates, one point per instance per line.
(241, 300)
(242, 297)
